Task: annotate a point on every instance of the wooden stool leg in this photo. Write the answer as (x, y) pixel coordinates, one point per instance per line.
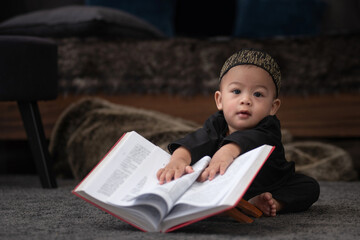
(35, 132)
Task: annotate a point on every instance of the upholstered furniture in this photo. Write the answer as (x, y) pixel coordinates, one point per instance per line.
(28, 73)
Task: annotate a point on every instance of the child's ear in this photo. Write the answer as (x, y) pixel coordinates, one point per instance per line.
(218, 100)
(275, 106)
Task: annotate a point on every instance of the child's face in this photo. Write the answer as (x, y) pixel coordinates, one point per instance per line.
(246, 96)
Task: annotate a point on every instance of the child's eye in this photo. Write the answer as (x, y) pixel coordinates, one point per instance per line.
(236, 91)
(258, 94)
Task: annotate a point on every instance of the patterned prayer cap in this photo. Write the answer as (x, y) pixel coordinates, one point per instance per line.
(257, 58)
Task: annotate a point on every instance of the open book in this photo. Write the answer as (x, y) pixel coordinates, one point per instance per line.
(125, 185)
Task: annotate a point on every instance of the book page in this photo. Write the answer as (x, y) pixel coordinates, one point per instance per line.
(224, 190)
(122, 175)
(143, 217)
(123, 161)
(210, 193)
(142, 180)
(172, 191)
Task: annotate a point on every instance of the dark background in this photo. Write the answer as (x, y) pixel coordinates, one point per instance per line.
(207, 18)
(192, 18)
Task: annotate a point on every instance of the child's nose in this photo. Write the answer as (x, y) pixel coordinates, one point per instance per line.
(245, 101)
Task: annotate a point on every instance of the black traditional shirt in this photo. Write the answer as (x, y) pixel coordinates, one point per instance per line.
(213, 135)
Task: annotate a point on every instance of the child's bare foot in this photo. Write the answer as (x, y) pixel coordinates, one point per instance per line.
(266, 203)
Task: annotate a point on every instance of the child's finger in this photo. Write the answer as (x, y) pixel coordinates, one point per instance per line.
(178, 173)
(159, 172)
(189, 169)
(162, 178)
(203, 176)
(223, 168)
(169, 175)
(212, 173)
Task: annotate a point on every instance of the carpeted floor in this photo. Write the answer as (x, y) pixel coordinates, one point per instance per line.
(29, 212)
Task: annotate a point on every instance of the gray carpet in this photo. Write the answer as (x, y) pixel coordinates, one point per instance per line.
(29, 212)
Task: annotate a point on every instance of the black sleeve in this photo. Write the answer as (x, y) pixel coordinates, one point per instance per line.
(276, 170)
(266, 132)
(204, 141)
(208, 139)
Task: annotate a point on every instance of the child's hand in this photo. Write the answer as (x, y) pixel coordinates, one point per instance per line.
(178, 166)
(220, 161)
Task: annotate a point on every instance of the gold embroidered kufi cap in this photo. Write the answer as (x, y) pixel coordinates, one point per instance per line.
(257, 58)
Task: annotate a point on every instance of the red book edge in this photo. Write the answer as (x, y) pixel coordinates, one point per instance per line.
(175, 227)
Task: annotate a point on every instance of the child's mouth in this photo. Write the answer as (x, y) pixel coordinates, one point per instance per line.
(244, 114)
